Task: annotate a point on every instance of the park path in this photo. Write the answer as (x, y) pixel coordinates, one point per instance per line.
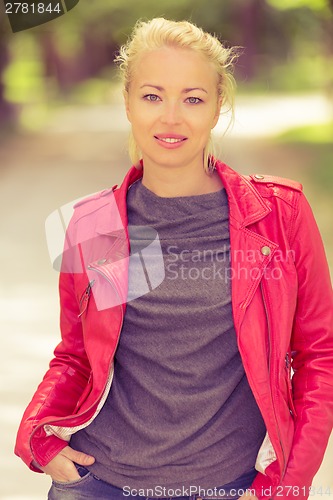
(80, 151)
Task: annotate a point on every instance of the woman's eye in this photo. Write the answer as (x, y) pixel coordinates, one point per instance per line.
(193, 100)
(152, 97)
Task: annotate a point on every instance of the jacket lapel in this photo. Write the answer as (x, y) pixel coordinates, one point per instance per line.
(251, 252)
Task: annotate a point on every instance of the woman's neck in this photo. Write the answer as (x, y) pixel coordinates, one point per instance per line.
(173, 182)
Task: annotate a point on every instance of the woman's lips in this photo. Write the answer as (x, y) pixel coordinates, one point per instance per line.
(170, 141)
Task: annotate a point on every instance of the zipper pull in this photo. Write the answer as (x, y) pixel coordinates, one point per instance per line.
(85, 298)
(287, 358)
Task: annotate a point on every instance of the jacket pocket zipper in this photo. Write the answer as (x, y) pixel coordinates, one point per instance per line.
(289, 387)
(85, 298)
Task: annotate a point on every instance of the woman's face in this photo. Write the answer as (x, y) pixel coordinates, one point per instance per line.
(172, 105)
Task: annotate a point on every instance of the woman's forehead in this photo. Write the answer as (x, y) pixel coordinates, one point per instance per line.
(172, 64)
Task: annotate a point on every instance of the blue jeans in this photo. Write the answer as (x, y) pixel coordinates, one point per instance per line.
(90, 487)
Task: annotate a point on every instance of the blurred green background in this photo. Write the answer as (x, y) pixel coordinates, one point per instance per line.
(63, 135)
(63, 71)
(287, 49)
(288, 46)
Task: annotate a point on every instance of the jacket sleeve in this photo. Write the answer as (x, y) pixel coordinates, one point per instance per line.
(62, 385)
(312, 356)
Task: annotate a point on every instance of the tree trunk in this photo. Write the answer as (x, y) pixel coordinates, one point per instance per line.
(249, 16)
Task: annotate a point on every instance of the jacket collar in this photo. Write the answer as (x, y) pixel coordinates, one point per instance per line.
(246, 205)
(115, 222)
(134, 174)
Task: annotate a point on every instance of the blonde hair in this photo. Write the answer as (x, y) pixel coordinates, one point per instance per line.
(160, 32)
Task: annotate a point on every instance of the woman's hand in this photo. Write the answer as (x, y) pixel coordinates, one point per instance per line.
(62, 469)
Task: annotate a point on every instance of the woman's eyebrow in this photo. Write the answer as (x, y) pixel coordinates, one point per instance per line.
(185, 91)
(157, 87)
(191, 89)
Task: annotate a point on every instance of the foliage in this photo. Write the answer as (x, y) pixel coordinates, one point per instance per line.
(317, 5)
(23, 78)
(314, 143)
(315, 134)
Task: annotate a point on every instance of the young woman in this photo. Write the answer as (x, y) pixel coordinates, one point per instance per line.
(187, 295)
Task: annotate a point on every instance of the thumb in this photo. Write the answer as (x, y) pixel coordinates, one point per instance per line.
(77, 456)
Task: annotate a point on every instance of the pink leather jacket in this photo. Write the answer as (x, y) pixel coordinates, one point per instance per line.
(282, 305)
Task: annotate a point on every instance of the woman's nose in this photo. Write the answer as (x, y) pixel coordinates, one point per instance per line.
(171, 114)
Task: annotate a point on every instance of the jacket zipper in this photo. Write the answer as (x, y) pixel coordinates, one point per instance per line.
(289, 387)
(269, 369)
(63, 419)
(85, 298)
